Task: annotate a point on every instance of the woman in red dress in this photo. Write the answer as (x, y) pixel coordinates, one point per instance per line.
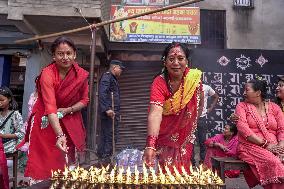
(175, 103)
(62, 87)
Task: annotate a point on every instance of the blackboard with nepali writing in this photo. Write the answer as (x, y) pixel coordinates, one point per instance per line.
(226, 71)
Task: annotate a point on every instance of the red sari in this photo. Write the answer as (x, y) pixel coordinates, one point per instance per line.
(176, 135)
(54, 93)
(265, 167)
(4, 177)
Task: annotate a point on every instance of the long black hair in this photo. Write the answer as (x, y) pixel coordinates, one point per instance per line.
(5, 91)
(165, 54)
(278, 100)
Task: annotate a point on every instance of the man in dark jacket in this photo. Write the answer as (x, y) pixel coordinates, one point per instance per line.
(108, 85)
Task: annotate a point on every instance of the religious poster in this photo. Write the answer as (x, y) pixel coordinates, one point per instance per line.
(179, 24)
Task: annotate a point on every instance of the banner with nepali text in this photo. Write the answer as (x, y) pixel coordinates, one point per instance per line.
(179, 24)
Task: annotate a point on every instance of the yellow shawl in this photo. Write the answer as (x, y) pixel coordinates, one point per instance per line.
(191, 82)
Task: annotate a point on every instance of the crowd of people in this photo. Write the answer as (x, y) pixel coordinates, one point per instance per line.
(53, 132)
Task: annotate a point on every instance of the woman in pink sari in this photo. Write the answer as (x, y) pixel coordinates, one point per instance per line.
(175, 103)
(261, 137)
(223, 145)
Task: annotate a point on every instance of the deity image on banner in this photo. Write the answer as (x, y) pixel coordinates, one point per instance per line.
(193, 27)
(133, 27)
(118, 28)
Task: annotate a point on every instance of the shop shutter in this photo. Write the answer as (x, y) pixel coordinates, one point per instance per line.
(135, 85)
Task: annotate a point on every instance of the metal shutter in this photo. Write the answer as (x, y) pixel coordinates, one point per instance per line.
(135, 85)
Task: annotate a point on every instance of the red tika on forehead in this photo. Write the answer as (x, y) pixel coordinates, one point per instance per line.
(176, 50)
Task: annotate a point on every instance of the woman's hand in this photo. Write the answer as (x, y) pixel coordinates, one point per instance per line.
(149, 157)
(221, 146)
(61, 144)
(64, 111)
(234, 118)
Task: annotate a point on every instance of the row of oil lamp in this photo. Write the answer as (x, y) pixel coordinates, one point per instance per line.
(118, 177)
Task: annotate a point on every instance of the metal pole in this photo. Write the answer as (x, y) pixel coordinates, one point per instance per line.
(113, 134)
(91, 121)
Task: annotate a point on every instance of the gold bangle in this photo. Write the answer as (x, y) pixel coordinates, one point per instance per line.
(149, 147)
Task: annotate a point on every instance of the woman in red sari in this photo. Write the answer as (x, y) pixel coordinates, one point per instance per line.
(62, 87)
(261, 137)
(4, 177)
(175, 103)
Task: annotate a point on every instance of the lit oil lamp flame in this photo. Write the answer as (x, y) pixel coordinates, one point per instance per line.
(65, 173)
(154, 176)
(136, 172)
(145, 174)
(74, 175)
(84, 175)
(170, 176)
(115, 178)
(162, 177)
(178, 176)
(120, 175)
(112, 175)
(128, 176)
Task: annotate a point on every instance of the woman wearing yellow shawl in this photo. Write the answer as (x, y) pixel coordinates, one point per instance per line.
(175, 103)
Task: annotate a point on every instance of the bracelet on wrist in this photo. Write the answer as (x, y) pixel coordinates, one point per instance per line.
(265, 144)
(151, 141)
(72, 110)
(149, 147)
(60, 135)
